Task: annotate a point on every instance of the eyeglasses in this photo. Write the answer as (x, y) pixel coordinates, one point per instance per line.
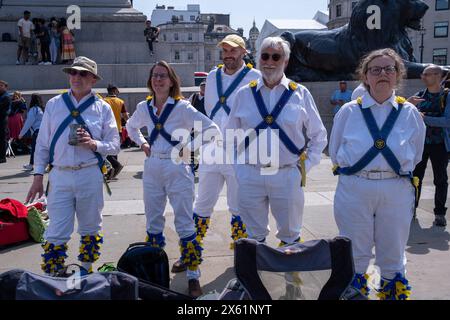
(162, 76)
(376, 71)
(82, 73)
(275, 57)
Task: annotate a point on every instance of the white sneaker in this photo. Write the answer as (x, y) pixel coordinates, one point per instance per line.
(28, 167)
(17, 62)
(41, 63)
(48, 63)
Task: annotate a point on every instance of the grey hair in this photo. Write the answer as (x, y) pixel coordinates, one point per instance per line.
(276, 43)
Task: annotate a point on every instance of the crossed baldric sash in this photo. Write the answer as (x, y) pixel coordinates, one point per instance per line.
(223, 96)
(75, 114)
(270, 121)
(380, 138)
(159, 123)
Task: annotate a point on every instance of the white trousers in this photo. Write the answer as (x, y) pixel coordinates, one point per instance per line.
(74, 192)
(164, 179)
(375, 213)
(282, 192)
(210, 184)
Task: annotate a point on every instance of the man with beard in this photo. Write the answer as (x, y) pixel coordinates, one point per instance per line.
(277, 109)
(222, 84)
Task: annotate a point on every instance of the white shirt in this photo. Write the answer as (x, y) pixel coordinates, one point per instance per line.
(98, 117)
(183, 116)
(33, 122)
(359, 91)
(27, 26)
(212, 96)
(300, 112)
(351, 139)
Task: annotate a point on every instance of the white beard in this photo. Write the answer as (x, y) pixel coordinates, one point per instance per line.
(272, 75)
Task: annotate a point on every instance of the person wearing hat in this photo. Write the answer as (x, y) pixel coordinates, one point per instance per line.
(76, 160)
(222, 83)
(341, 96)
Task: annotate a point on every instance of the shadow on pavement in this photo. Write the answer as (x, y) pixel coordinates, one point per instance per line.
(23, 174)
(422, 240)
(18, 246)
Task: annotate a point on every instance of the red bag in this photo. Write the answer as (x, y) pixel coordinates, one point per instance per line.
(13, 222)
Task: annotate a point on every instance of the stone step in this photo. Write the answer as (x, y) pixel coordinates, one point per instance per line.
(36, 77)
(102, 52)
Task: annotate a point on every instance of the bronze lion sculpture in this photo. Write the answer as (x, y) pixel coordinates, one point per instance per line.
(335, 54)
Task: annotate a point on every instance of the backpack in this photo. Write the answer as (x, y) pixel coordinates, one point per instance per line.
(146, 263)
(151, 266)
(13, 222)
(19, 284)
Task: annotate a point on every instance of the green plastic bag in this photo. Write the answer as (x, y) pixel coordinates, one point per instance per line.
(107, 267)
(37, 224)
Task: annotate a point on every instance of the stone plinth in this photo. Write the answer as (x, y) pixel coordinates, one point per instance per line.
(111, 31)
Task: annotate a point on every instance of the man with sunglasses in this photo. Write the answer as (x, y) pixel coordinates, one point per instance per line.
(278, 110)
(75, 184)
(434, 106)
(222, 83)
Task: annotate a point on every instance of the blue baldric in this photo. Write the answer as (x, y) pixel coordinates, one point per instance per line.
(222, 103)
(159, 123)
(269, 120)
(75, 114)
(380, 144)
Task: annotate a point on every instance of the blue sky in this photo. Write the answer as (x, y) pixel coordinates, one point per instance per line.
(242, 12)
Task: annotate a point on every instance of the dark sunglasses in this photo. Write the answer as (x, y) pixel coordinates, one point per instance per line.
(275, 57)
(82, 73)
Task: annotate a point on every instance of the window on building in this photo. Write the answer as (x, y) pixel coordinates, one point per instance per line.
(442, 4)
(441, 29)
(354, 4)
(190, 36)
(338, 10)
(192, 18)
(164, 37)
(177, 55)
(181, 18)
(190, 56)
(175, 36)
(208, 55)
(220, 55)
(440, 56)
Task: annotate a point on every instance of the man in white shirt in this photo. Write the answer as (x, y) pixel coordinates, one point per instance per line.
(76, 176)
(25, 27)
(222, 84)
(277, 109)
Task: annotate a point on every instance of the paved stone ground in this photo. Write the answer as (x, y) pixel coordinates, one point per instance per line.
(124, 223)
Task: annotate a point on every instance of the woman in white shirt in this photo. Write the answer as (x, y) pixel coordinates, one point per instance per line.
(165, 115)
(374, 200)
(33, 123)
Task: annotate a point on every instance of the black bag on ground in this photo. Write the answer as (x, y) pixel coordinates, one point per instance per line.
(19, 284)
(146, 263)
(151, 266)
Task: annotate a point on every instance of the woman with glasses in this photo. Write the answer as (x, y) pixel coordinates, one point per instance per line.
(375, 144)
(167, 174)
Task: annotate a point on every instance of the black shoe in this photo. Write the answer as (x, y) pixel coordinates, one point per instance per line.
(195, 290)
(178, 267)
(440, 221)
(117, 171)
(2, 160)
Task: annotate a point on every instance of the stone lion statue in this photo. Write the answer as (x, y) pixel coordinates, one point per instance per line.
(335, 54)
